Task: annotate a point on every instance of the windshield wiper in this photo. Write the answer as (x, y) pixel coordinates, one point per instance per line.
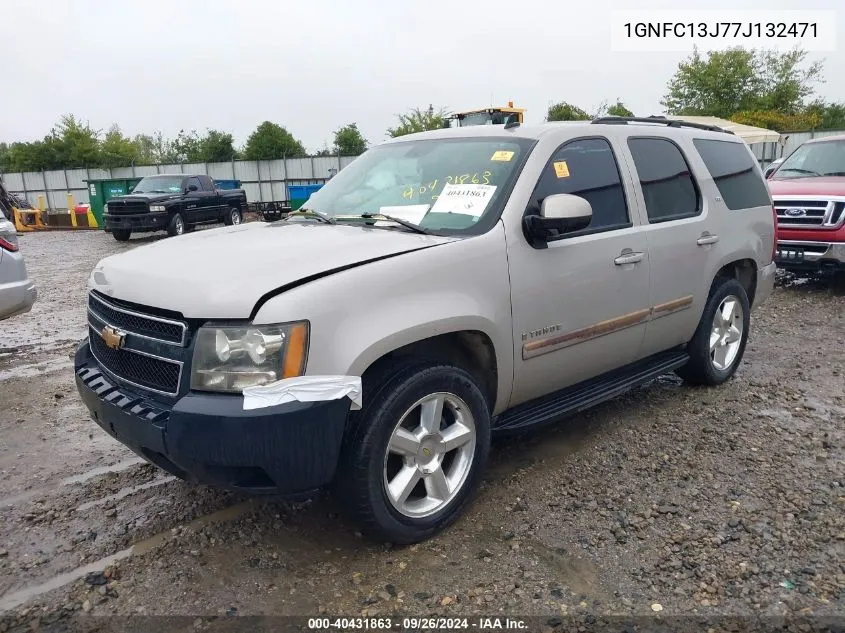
(408, 225)
(800, 171)
(312, 213)
(834, 173)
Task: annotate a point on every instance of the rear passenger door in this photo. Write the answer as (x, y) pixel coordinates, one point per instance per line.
(681, 239)
(579, 305)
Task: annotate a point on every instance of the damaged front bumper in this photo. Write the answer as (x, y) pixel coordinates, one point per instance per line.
(289, 449)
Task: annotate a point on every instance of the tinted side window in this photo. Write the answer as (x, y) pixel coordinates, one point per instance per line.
(734, 173)
(668, 187)
(194, 181)
(207, 183)
(587, 168)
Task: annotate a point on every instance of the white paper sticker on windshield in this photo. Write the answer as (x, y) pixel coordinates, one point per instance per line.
(410, 212)
(464, 199)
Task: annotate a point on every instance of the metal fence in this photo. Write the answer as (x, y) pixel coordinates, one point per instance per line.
(263, 180)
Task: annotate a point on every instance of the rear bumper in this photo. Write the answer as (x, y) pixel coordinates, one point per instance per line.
(810, 255)
(287, 449)
(136, 221)
(17, 297)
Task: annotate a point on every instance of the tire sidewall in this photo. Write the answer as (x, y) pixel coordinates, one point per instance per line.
(379, 424)
(701, 343)
(231, 218)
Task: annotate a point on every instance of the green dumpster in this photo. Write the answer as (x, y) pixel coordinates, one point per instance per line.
(101, 191)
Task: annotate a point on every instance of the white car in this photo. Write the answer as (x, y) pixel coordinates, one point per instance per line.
(17, 291)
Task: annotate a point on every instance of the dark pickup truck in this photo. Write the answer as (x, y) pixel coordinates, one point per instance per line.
(175, 203)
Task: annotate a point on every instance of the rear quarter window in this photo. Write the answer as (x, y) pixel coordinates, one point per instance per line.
(734, 172)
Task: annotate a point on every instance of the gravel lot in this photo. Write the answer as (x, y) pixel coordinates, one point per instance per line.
(668, 501)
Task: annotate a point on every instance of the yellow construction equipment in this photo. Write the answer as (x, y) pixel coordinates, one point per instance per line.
(27, 218)
(507, 115)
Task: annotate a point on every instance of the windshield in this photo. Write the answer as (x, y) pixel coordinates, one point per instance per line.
(159, 184)
(453, 185)
(815, 159)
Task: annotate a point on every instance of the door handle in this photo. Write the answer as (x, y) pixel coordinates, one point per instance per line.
(705, 240)
(628, 258)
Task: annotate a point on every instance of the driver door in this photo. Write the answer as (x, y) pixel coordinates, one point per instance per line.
(579, 305)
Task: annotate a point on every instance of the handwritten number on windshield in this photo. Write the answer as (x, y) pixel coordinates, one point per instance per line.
(476, 179)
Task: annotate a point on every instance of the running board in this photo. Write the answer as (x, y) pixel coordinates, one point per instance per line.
(590, 392)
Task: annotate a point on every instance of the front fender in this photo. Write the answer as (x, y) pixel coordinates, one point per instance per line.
(358, 315)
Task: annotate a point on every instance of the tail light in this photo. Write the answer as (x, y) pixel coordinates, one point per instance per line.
(8, 245)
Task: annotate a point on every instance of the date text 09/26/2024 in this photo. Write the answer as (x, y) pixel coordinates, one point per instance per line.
(416, 624)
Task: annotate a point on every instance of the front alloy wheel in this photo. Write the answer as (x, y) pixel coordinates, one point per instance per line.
(429, 455)
(416, 452)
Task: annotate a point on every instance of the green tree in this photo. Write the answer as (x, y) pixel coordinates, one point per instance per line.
(72, 143)
(4, 157)
(216, 147)
(831, 116)
(419, 121)
(725, 82)
(117, 150)
(564, 111)
(186, 146)
(155, 149)
(619, 109)
(271, 141)
(348, 141)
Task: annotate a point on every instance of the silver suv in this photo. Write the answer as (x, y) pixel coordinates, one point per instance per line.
(443, 287)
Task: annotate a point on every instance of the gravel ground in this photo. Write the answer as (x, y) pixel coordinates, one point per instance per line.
(668, 501)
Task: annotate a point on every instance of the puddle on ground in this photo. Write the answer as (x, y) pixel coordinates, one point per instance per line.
(76, 479)
(17, 598)
(31, 370)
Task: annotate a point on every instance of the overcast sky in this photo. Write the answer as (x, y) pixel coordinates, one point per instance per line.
(315, 65)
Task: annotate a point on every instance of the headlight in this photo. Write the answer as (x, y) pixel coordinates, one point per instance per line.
(230, 359)
(106, 207)
(156, 207)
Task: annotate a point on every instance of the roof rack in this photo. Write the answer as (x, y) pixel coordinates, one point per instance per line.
(659, 119)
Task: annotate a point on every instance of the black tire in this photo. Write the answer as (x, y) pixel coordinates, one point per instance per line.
(176, 226)
(360, 479)
(229, 220)
(701, 370)
(121, 235)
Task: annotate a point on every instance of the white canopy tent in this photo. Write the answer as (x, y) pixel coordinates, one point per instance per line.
(747, 133)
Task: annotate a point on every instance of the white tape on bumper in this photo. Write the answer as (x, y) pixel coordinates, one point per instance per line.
(304, 389)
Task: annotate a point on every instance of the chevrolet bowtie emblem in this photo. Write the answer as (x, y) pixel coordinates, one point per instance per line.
(112, 338)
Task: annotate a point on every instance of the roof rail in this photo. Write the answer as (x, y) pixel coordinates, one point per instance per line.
(659, 119)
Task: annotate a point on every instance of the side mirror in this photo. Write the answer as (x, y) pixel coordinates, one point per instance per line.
(559, 213)
(191, 188)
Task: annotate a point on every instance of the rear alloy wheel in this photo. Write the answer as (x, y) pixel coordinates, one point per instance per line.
(121, 235)
(234, 216)
(717, 347)
(176, 226)
(417, 453)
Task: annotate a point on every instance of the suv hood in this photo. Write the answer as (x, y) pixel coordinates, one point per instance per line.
(222, 273)
(810, 186)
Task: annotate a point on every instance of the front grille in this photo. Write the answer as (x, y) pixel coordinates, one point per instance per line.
(141, 370)
(149, 326)
(119, 207)
(809, 213)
